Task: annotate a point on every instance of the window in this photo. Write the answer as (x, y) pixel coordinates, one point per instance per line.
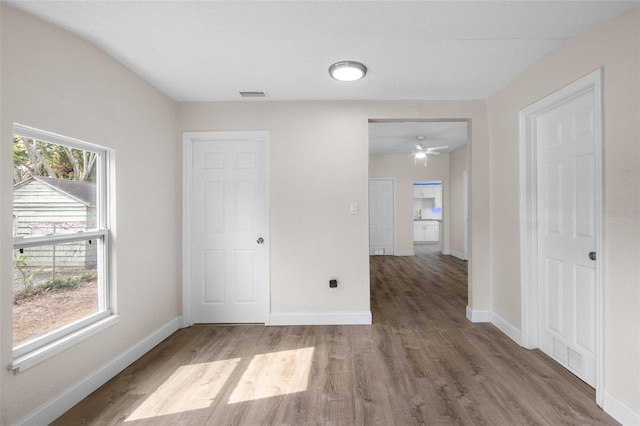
(60, 243)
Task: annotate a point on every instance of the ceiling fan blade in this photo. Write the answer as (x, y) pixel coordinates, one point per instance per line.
(435, 148)
(432, 152)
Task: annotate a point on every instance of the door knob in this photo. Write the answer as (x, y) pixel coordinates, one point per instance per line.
(592, 255)
(260, 240)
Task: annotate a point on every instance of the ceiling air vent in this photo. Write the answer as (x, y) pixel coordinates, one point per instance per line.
(253, 94)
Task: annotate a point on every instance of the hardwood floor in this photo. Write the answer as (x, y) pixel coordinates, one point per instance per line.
(421, 362)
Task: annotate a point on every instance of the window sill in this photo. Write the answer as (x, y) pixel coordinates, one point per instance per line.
(43, 353)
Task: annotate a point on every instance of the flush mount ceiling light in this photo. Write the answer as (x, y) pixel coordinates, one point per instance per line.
(347, 70)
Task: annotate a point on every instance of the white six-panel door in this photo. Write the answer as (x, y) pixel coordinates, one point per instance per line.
(381, 217)
(566, 193)
(227, 228)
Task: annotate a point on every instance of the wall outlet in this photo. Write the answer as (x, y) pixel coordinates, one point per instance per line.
(333, 283)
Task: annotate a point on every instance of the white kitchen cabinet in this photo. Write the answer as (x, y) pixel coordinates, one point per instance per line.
(424, 191)
(416, 192)
(426, 231)
(418, 235)
(432, 232)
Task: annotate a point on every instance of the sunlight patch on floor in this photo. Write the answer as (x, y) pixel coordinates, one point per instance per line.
(274, 374)
(190, 387)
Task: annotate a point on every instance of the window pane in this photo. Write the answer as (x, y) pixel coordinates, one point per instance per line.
(53, 285)
(54, 188)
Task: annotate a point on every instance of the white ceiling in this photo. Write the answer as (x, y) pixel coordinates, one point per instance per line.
(400, 137)
(211, 50)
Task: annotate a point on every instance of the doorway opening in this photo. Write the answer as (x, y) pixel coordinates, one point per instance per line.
(428, 163)
(427, 217)
(427, 160)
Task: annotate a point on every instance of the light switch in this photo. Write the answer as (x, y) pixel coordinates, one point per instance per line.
(354, 208)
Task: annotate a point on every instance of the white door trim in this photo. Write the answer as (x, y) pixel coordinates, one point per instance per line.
(528, 215)
(465, 211)
(393, 227)
(188, 138)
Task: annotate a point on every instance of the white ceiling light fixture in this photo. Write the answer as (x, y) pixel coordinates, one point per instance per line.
(419, 154)
(347, 71)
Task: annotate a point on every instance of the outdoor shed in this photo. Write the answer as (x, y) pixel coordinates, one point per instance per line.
(44, 205)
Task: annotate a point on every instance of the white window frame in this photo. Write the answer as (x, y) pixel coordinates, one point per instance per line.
(37, 350)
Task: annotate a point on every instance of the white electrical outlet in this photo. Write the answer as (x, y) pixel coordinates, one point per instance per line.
(354, 208)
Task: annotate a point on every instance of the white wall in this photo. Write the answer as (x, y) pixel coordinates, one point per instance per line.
(402, 168)
(457, 166)
(319, 164)
(615, 46)
(54, 81)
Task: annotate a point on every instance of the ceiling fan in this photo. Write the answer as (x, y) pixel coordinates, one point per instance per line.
(421, 151)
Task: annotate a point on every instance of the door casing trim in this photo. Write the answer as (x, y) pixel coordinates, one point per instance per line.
(528, 215)
(188, 138)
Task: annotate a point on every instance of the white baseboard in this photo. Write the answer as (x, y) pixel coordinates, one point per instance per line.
(620, 411)
(478, 316)
(53, 409)
(495, 319)
(457, 254)
(405, 253)
(502, 325)
(320, 318)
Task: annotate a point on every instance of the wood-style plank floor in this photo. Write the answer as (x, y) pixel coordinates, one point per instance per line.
(421, 362)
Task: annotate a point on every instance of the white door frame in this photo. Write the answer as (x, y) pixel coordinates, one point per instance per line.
(465, 211)
(188, 139)
(529, 221)
(393, 225)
